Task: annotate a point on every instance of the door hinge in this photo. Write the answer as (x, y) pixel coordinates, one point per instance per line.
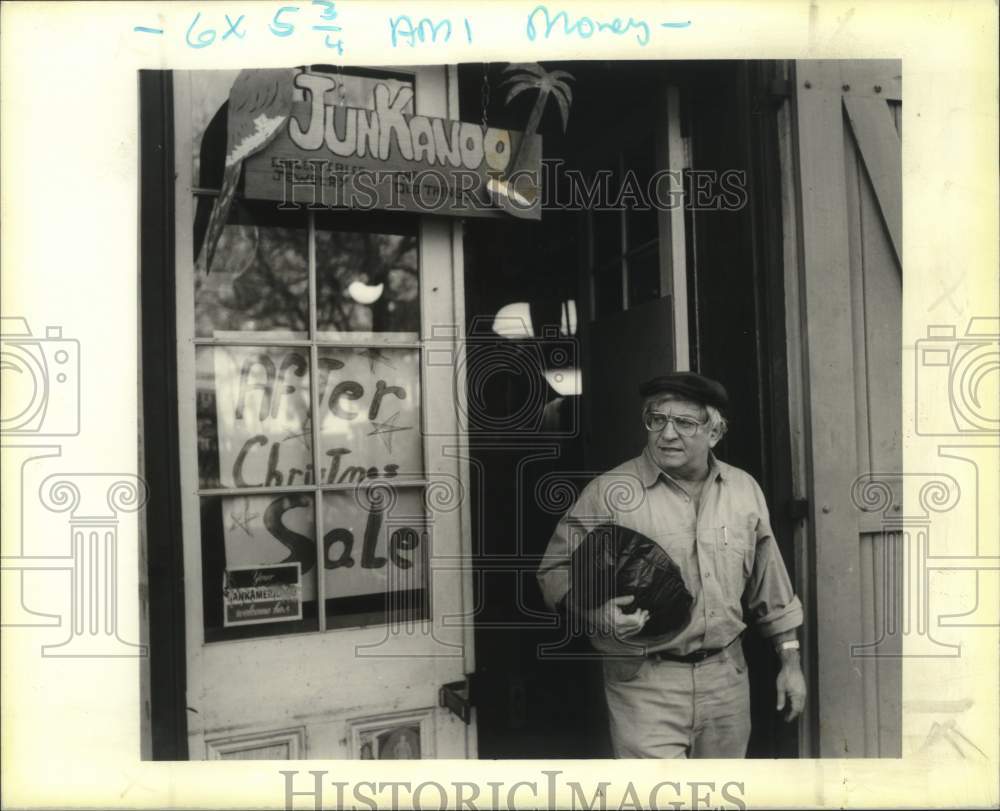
(457, 696)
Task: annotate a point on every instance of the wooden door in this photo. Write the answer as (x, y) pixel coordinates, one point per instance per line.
(846, 312)
(298, 648)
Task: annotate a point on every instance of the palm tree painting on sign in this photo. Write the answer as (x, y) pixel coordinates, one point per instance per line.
(519, 194)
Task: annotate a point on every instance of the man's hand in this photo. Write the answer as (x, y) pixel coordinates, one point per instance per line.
(610, 620)
(791, 685)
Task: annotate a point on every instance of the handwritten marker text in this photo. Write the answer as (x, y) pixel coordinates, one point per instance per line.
(583, 27)
(425, 31)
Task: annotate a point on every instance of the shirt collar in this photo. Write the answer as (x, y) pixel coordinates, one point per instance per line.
(649, 472)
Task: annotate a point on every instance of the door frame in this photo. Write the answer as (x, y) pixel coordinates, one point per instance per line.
(160, 462)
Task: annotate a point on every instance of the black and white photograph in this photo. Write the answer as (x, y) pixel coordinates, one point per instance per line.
(551, 415)
(588, 373)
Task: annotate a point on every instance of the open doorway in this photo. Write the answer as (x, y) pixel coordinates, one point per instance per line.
(554, 309)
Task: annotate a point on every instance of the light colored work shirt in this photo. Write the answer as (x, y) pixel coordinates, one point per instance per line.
(726, 552)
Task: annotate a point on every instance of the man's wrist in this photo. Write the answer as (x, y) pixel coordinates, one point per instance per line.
(787, 647)
(790, 658)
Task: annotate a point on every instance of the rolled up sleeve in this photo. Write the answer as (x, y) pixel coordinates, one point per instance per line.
(769, 596)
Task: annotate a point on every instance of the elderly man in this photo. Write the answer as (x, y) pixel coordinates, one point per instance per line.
(685, 692)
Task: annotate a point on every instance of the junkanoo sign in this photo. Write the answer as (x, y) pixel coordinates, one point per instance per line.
(386, 157)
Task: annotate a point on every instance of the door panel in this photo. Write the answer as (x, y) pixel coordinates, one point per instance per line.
(343, 690)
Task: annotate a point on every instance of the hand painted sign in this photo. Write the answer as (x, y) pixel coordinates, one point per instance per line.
(375, 539)
(369, 420)
(258, 594)
(384, 156)
(369, 429)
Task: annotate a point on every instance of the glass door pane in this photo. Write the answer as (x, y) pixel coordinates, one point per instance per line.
(259, 281)
(258, 556)
(253, 407)
(367, 278)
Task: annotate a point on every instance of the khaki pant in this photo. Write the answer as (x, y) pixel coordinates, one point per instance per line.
(662, 709)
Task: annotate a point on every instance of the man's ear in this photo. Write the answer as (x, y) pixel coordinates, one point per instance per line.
(714, 437)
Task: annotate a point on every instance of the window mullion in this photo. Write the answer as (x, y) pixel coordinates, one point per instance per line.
(314, 422)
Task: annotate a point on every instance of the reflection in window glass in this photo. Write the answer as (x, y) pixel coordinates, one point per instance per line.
(250, 546)
(367, 282)
(259, 281)
(253, 416)
(375, 554)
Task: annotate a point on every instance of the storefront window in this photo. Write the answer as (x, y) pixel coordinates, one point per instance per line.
(308, 405)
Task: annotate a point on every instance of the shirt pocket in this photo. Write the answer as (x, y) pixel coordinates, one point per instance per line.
(734, 555)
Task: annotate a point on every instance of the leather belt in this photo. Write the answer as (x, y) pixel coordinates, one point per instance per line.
(688, 658)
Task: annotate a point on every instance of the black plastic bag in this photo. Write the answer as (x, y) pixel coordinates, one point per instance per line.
(614, 561)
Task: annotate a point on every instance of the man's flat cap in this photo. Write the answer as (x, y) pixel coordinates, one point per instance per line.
(690, 386)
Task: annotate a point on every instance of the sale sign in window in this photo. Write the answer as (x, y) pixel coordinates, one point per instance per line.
(370, 454)
(369, 407)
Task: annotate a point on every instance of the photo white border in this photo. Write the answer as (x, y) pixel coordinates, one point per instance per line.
(70, 256)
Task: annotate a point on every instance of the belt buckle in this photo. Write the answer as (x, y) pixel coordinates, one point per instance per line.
(699, 655)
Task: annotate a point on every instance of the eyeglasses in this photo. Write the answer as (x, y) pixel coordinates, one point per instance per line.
(685, 426)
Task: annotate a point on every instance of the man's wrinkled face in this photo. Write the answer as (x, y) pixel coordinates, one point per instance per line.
(672, 451)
